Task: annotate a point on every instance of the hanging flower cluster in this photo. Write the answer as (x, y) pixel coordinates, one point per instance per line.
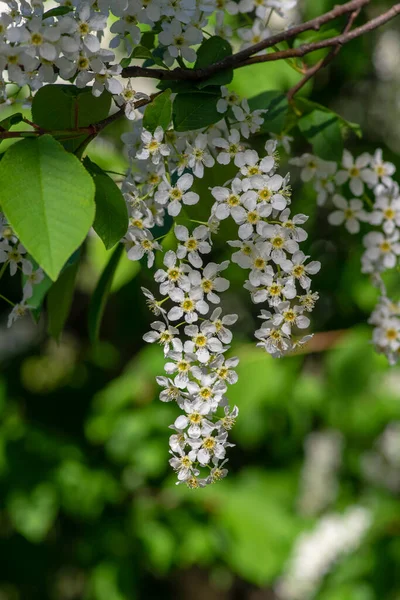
(374, 200)
(161, 185)
(316, 552)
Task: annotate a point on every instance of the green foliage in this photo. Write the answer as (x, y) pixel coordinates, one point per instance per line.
(48, 198)
(57, 12)
(8, 122)
(111, 220)
(278, 108)
(59, 107)
(194, 111)
(213, 50)
(100, 294)
(59, 300)
(323, 131)
(158, 112)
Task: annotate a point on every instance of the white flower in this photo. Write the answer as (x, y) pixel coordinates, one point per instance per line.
(152, 303)
(175, 275)
(297, 233)
(33, 278)
(267, 190)
(141, 243)
(17, 312)
(383, 170)
(193, 245)
(382, 248)
(153, 147)
(163, 334)
(14, 255)
(249, 121)
(250, 217)
(349, 212)
(177, 194)
(188, 305)
(198, 156)
(386, 211)
(279, 242)
(227, 198)
(228, 99)
(202, 341)
(357, 172)
(288, 315)
(183, 466)
(183, 364)
(223, 370)
(178, 40)
(229, 149)
(298, 270)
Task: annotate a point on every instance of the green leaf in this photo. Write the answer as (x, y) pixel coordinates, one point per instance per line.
(158, 112)
(138, 52)
(57, 12)
(278, 108)
(195, 111)
(306, 106)
(59, 300)
(148, 39)
(60, 107)
(177, 87)
(111, 220)
(322, 130)
(8, 122)
(48, 199)
(39, 292)
(211, 51)
(100, 294)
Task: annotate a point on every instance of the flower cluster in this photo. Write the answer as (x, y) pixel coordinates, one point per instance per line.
(161, 186)
(268, 247)
(13, 256)
(381, 464)
(37, 46)
(195, 336)
(316, 552)
(323, 453)
(375, 202)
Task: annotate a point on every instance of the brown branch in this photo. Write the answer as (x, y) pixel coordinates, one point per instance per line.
(339, 40)
(235, 61)
(239, 57)
(91, 130)
(311, 72)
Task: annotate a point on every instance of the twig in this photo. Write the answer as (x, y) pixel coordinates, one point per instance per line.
(91, 130)
(338, 40)
(325, 61)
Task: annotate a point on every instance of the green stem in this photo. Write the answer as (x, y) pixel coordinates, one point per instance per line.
(7, 300)
(3, 268)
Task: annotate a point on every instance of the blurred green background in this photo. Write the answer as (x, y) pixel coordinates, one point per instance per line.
(88, 505)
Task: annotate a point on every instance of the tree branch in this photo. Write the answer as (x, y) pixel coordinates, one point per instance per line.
(339, 40)
(91, 130)
(325, 61)
(245, 57)
(235, 59)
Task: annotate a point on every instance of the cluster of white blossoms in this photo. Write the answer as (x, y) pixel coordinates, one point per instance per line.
(381, 464)
(69, 41)
(362, 190)
(319, 483)
(13, 257)
(161, 187)
(315, 553)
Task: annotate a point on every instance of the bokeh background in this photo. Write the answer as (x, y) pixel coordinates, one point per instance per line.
(88, 505)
